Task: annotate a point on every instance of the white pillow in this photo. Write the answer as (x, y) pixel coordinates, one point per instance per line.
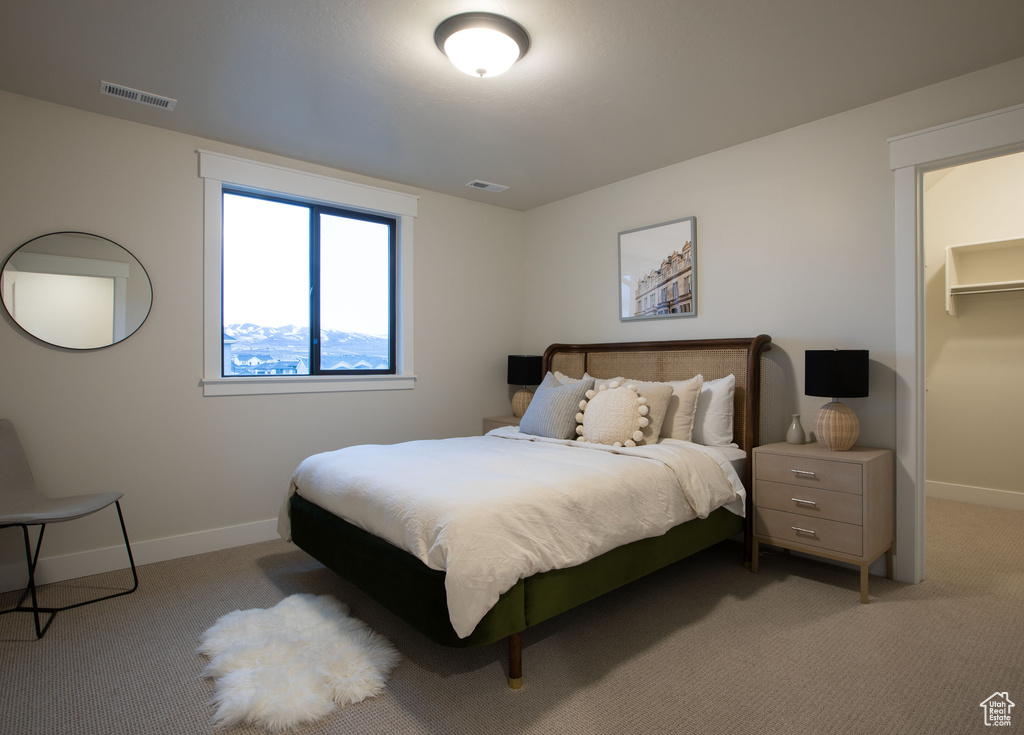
(658, 396)
(566, 380)
(613, 415)
(681, 408)
(712, 422)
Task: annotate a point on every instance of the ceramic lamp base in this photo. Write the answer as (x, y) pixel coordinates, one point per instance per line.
(520, 402)
(836, 427)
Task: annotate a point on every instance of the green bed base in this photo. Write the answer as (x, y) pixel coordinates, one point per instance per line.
(415, 593)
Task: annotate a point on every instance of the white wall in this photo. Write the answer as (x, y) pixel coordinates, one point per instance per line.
(975, 363)
(794, 235)
(795, 238)
(132, 417)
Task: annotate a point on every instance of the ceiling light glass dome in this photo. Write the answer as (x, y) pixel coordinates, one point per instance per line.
(482, 44)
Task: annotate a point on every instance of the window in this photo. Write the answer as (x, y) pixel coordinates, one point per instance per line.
(308, 282)
(307, 289)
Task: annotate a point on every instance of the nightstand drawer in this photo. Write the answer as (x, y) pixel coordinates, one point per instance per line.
(814, 533)
(826, 474)
(809, 501)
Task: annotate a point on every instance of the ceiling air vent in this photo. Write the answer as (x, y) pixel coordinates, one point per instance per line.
(136, 95)
(485, 186)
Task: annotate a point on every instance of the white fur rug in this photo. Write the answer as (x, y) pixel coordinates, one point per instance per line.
(293, 663)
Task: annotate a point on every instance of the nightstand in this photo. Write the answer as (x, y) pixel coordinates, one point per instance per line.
(838, 505)
(493, 422)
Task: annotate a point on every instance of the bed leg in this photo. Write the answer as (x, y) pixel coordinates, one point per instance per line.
(515, 661)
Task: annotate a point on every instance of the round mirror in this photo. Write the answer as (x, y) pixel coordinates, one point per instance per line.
(76, 290)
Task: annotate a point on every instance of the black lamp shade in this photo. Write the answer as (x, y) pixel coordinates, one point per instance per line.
(836, 373)
(524, 369)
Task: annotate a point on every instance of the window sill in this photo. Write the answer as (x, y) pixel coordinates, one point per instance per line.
(304, 384)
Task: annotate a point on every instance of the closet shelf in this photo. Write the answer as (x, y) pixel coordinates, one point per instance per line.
(983, 268)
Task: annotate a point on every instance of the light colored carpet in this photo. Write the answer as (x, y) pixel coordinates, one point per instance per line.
(702, 647)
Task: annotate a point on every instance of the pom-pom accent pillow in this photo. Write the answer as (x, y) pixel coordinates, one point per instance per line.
(658, 396)
(614, 415)
(552, 410)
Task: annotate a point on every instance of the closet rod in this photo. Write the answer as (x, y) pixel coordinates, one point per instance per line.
(989, 290)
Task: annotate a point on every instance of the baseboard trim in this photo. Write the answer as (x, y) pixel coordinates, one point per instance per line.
(98, 561)
(977, 495)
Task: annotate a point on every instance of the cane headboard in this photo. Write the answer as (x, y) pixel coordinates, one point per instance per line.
(677, 360)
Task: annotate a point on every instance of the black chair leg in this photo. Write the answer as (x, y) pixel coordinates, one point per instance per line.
(30, 590)
(30, 560)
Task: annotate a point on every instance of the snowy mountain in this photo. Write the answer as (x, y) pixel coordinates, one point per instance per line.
(291, 343)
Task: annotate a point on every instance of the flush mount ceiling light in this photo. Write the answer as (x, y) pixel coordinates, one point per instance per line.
(482, 44)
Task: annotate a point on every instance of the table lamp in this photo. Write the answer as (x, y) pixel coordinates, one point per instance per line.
(523, 370)
(836, 374)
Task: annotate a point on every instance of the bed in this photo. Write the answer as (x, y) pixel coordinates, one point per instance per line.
(404, 582)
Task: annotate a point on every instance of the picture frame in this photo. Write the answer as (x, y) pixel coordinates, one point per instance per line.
(658, 271)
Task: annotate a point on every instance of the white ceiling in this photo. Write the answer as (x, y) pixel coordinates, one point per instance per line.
(609, 89)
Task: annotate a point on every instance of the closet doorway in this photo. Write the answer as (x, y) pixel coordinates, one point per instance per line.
(911, 156)
(972, 223)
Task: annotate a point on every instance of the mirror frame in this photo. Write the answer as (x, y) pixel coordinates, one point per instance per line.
(122, 297)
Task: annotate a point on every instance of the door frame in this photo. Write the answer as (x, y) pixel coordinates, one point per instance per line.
(910, 156)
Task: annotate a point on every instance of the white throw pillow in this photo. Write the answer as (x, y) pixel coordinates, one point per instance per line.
(613, 415)
(682, 408)
(712, 423)
(566, 380)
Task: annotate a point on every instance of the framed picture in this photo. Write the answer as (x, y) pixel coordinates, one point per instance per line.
(658, 271)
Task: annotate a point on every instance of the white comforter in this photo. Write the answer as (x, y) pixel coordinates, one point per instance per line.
(489, 510)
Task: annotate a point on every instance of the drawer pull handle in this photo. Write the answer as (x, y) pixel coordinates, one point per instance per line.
(803, 502)
(804, 530)
(804, 473)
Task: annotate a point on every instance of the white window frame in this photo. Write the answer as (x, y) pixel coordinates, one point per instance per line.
(217, 171)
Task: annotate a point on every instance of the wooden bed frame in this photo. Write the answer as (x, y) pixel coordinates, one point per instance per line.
(415, 593)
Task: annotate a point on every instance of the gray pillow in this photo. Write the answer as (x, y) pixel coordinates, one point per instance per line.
(552, 411)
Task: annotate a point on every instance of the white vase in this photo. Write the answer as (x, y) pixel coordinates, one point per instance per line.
(795, 433)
